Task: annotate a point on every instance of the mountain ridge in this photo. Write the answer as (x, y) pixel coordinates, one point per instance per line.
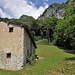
(56, 10)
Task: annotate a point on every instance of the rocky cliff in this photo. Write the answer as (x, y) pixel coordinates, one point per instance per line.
(56, 10)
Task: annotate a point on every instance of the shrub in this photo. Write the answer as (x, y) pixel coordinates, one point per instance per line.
(37, 38)
(43, 42)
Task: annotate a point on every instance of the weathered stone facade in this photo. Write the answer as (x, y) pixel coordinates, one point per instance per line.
(14, 43)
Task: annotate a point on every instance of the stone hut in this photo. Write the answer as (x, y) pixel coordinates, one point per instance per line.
(16, 44)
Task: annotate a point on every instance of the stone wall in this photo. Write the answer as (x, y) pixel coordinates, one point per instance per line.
(28, 46)
(33, 50)
(11, 42)
(14, 45)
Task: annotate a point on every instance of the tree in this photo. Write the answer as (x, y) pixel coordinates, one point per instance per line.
(64, 34)
(69, 11)
(50, 24)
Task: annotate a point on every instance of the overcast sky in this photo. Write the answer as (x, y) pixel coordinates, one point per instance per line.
(16, 8)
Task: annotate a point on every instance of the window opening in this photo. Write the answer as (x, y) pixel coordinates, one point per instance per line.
(8, 55)
(11, 29)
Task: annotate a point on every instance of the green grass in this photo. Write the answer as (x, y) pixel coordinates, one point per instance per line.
(55, 62)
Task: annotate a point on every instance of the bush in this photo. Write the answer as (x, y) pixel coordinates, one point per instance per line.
(37, 38)
(31, 60)
(43, 42)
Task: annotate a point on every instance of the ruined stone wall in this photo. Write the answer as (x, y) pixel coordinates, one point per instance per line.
(11, 42)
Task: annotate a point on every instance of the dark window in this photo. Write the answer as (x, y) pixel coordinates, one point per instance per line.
(8, 55)
(11, 29)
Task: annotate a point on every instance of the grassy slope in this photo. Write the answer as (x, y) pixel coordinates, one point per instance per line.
(55, 62)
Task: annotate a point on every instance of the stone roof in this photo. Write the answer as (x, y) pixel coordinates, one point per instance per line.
(8, 21)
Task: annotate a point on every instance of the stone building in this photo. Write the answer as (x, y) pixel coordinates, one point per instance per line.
(16, 43)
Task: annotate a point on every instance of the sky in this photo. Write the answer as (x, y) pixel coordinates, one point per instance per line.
(17, 8)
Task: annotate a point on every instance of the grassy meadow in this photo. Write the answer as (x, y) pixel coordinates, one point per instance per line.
(53, 61)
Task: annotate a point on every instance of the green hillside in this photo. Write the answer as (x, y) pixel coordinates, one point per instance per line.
(53, 61)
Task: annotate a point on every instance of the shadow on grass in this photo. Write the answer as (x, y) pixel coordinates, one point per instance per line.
(67, 50)
(72, 58)
(70, 51)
